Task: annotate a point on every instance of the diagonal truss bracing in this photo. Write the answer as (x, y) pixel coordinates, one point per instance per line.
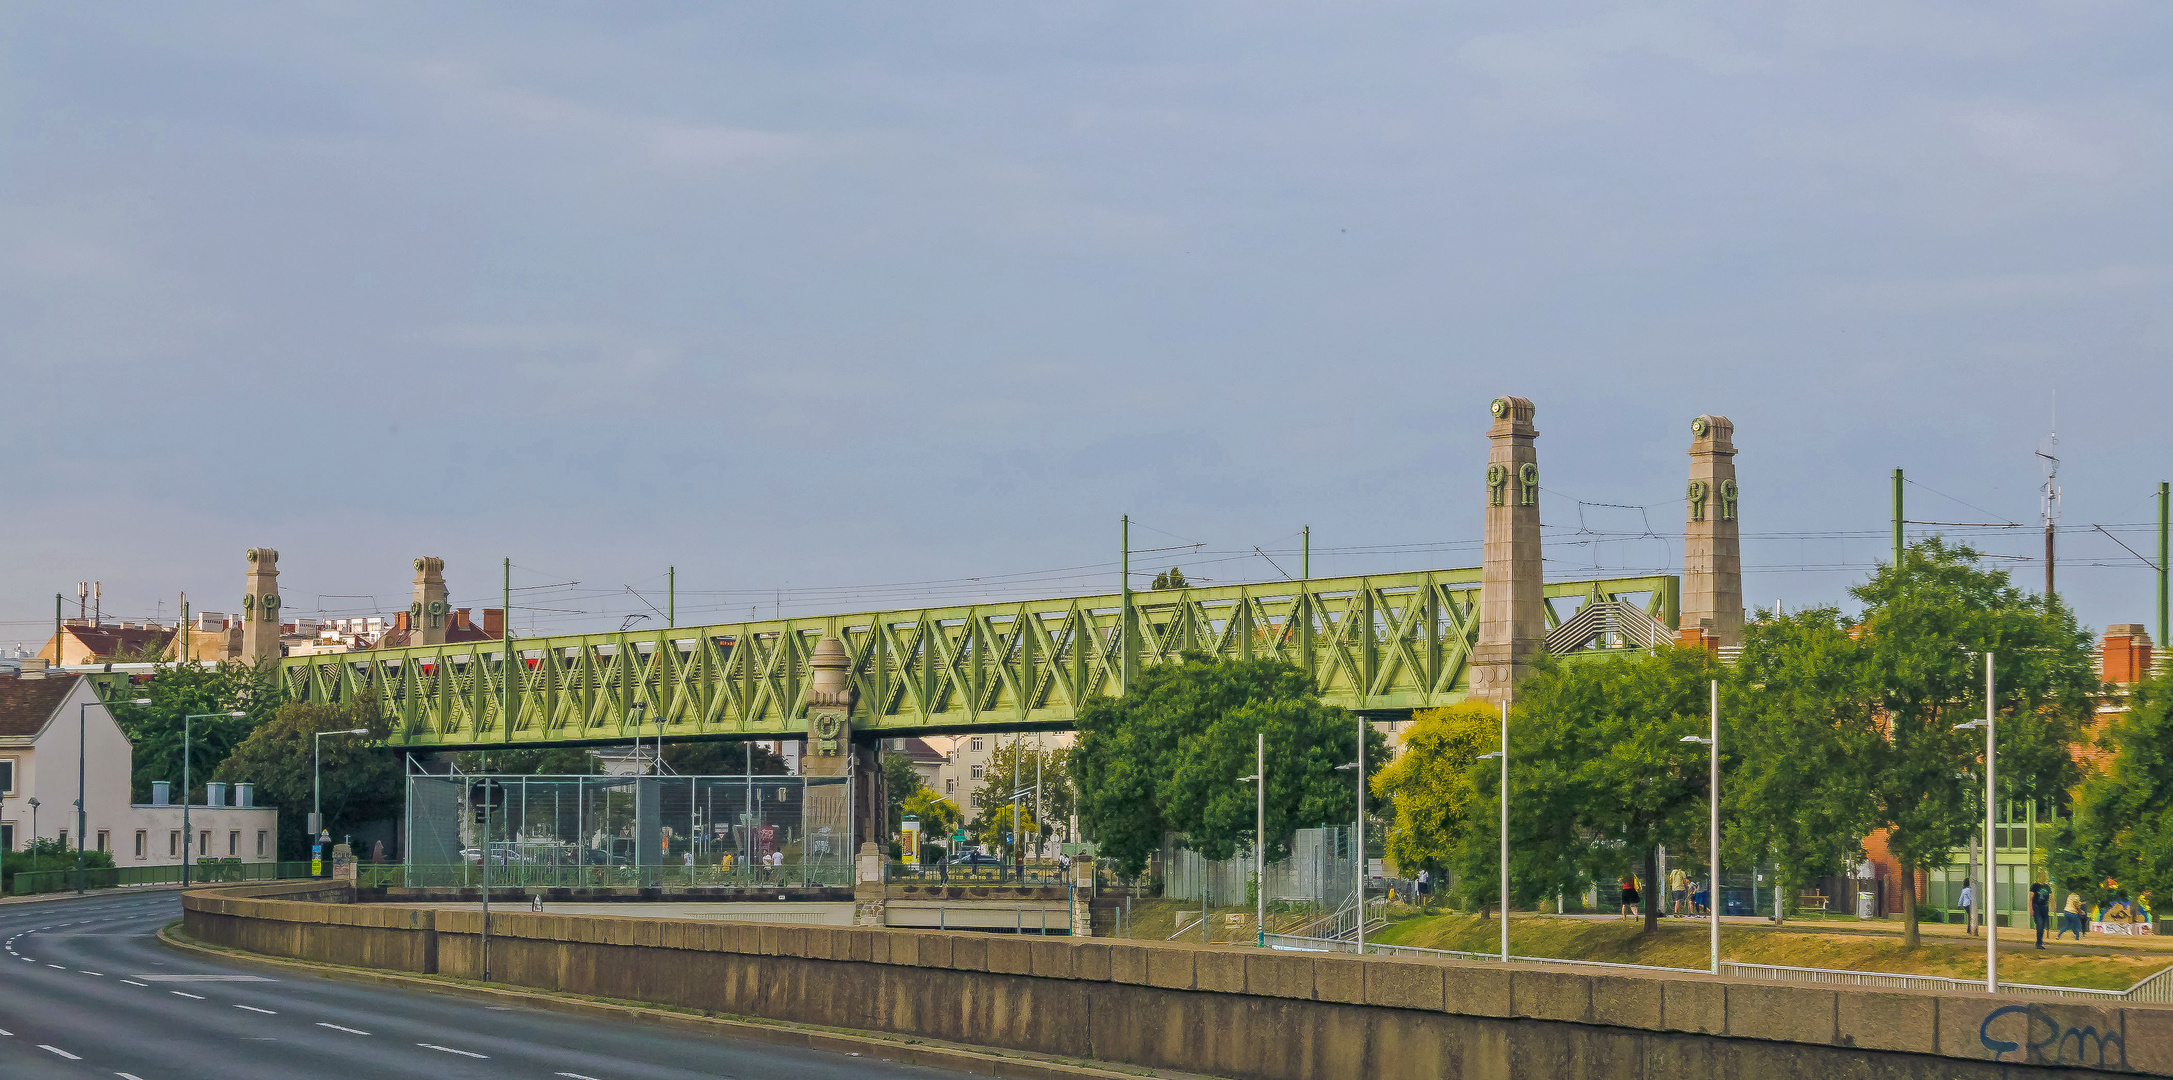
(1381, 642)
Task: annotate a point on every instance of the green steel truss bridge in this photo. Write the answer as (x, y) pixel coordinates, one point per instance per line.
(1383, 643)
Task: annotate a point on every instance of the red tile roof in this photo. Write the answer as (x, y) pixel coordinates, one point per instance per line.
(26, 704)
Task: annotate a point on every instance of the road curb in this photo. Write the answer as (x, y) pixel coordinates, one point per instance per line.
(980, 1061)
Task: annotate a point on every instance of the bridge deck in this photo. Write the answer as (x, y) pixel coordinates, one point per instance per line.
(1373, 643)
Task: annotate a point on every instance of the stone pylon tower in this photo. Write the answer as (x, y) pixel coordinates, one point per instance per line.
(1712, 538)
(427, 615)
(831, 751)
(1512, 608)
(260, 608)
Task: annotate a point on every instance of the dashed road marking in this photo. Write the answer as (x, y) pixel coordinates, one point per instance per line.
(59, 1051)
(254, 1009)
(574, 1076)
(336, 1027)
(133, 982)
(56, 966)
(450, 1050)
(178, 993)
(128, 1076)
(100, 974)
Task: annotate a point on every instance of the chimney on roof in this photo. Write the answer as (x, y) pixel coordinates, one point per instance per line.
(245, 795)
(2124, 655)
(460, 619)
(161, 793)
(494, 622)
(215, 794)
(399, 620)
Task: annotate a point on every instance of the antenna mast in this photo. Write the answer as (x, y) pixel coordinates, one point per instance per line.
(2049, 503)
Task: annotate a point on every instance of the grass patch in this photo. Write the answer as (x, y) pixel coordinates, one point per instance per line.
(1683, 943)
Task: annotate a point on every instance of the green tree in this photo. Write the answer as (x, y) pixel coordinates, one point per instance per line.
(2122, 826)
(1797, 726)
(1921, 623)
(712, 757)
(1428, 788)
(1167, 757)
(1058, 800)
(900, 783)
(362, 780)
(1172, 578)
(939, 817)
(993, 829)
(1600, 778)
(532, 761)
(178, 690)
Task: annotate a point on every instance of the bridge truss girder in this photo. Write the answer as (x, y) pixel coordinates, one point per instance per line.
(1377, 643)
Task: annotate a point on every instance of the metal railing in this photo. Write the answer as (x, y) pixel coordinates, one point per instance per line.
(513, 874)
(27, 882)
(2156, 988)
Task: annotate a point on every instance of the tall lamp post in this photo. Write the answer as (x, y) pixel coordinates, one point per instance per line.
(33, 820)
(1712, 798)
(187, 837)
(82, 814)
(1991, 811)
(1503, 754)
(316, 777)
(1259, 779)
(1359, 856)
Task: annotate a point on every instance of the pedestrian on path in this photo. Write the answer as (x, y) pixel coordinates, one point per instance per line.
(1629, 897)
(2040, 909)
(2071, 921)
(1969, 907)
(1678, 887)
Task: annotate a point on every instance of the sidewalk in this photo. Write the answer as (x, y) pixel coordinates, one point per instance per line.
(2010, 937)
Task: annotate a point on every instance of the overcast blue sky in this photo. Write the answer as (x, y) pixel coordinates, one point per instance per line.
(837, 296)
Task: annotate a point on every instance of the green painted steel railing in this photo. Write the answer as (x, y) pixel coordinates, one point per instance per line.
(44, 881)
(1383, 642)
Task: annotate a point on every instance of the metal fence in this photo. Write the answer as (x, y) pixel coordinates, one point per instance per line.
(27, 882)
(1318, 871)
(638, 831)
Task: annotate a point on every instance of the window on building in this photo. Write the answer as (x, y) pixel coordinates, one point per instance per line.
(173, 844)
(63, 838)
(7, 776)
(233, 843)
(203, 843)
(105, 841)
(976, 744)
(7, 836)
(260, 843)
(950, 787)
(143, 844)
(977, 772)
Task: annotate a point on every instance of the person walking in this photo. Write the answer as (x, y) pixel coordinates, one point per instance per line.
(1969, 907)
(2040, 909)
(2070, 918)
(1678, 889)
(1629, 896)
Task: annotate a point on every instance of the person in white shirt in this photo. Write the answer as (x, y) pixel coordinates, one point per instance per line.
(1969, 906)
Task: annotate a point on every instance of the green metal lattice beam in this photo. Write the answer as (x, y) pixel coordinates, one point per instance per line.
(1373, 643)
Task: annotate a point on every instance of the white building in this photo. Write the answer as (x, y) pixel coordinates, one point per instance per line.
(39, 720)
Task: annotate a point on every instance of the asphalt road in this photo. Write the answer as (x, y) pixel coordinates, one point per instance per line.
(87, 991)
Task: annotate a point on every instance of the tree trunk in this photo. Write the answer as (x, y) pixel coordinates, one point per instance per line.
(1909, 939)
(1650, 886)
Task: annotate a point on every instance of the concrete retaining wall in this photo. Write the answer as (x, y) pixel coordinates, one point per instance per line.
(1222, 1011)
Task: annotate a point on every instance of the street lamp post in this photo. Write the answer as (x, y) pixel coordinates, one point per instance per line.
(1991, 811)
(82, 813)
(1712, 798)
(33, 820)
(188, 838)
(1359, 856)
(316, 777)
(1260, 841)
(1503, 754)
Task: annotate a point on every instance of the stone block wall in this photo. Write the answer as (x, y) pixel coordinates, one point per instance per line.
(1221, 1011)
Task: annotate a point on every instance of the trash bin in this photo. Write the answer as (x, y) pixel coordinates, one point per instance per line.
(1863, 905)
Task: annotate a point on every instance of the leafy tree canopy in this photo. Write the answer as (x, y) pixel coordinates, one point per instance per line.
(1599, 776)
(1058, 800)
(362, 780)
(2122, 828)
(1167, 758)
(900, 782)
(155, 731)
(939, 817)
(1428, 788)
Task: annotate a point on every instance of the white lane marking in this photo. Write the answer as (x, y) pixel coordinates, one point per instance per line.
(574, 1076)
(254, 1009)
(56, 966)
(336, 1027)
(100, 974)
(178, 993)
(128, 1076)
(450, 1050)
(206, 978)
(133, 982)
(9, 1034)
(59, 1051)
